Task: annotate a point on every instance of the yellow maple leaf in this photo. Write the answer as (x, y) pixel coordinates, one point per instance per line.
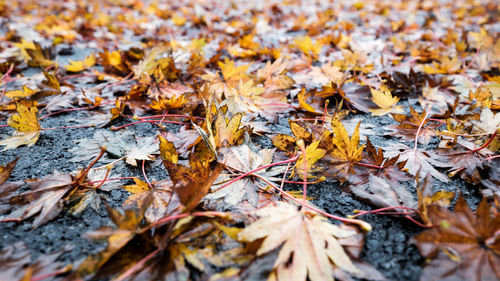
(25, 92)
(387, 103)
(227, 132)
(231, 73)
(76, 66)
(138, 187)
(307, 46)
(344, 153)
(305, 163)
(345, 147)
(26, 124)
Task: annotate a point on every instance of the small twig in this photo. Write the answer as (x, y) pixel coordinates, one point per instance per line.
(112, 163)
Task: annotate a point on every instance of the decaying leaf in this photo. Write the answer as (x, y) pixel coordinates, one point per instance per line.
(378, 180)
(43, 201)
(410, 124)
(462, 245)
(6, 170)
(417, 160)
(16, 264)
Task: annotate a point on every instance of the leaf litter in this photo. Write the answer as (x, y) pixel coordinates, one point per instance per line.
(205, 82)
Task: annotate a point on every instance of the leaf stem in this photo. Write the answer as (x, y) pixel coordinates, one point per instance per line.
(68, 127)
(420, 128)
(137, 266)
(486, 143)
(112, 179)
(155, 122)
(368, 165)
(104, 179)
(144, 174)
(255, 170)
(364, 225)
(52, 274)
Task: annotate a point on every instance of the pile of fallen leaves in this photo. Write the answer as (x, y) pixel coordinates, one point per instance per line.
(214, 76)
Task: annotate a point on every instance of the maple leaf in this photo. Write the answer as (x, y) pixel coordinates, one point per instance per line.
(191, 183)
(34, 54)
(44, 199)
(244, 158)
(24, 93)
(26, 124)
(183, 140)
(426, 198)
(221, 131)
(462, 246)
(113, 62)
(385, 101)
(409, 125)
(488, 122)
(379, 182)
(309, 246)
(343, 152)
(465, 160)
(16, 264)
(158, 200)
(128, 224)
(274, 76)
(119, 145)
(305, 141)
(6, 170)
(308, 47)
(77, 66)
(321, 75)
(232, 73)
(417, 160)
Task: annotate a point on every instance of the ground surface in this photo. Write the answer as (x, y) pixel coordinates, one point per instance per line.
(359, 44)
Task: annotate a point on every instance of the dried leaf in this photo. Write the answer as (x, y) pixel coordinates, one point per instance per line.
(310, 248)
(462, 246)
(27, 127)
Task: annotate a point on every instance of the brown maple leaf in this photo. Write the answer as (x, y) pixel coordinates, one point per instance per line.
(244, 158)
(378, 179)
(44, 200)
(191, 183)
(16, 264)
(410, 124)
(462, 246)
